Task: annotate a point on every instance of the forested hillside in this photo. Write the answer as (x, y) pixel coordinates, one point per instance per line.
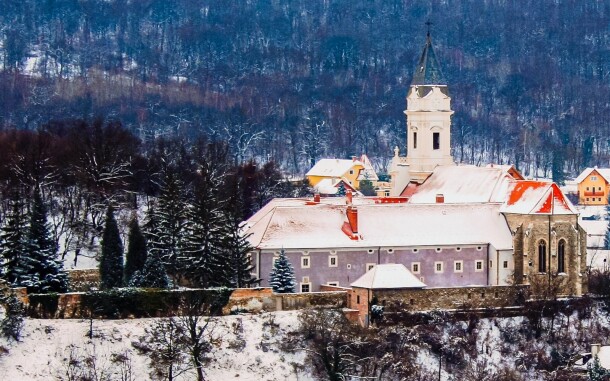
(296, 80)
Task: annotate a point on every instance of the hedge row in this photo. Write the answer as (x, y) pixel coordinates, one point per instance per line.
(128, 303)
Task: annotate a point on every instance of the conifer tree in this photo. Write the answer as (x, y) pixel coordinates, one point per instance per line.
(171, 217)
(44, 269)
(14, 243)
(235, 245)
(152, 275)
(281, 278)
(341, 190)
(136, 249)
(202, 258)
(111, 260)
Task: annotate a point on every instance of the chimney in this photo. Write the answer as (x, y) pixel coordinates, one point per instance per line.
(316, 197)
(352, 218)
(348, 196)
(440, 198)
(595, 350)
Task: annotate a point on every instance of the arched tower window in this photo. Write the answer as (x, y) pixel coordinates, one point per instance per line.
(542, 256)
(561, 256)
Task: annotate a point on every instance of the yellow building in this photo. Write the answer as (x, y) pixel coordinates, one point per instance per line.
(593, 186)
(331, 171)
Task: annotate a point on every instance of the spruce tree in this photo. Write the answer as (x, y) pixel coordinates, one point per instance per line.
(281, 278)
(111, 260)
(171, 218)
(152, 275)
(202, 258)
(14, 243)
(45, 271)
(236, 246)
(136, 249)
(340, 190)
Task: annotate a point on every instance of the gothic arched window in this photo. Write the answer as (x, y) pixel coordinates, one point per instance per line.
(542, 256)
(561, 256)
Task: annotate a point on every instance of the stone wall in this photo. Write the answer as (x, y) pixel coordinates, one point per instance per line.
(437, 298)
(82, 280)
(290, 302)
(252, 300)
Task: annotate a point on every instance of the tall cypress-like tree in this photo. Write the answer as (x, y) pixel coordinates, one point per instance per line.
(281, 278)
(14, 243)
(111, 260)
(45, 271)
(136, 249)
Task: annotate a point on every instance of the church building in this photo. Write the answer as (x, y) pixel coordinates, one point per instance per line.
(449, 225)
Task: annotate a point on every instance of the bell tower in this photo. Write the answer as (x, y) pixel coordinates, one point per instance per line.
(428, 117)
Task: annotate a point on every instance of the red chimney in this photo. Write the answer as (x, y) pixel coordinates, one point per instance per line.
(316, 197)
(440, 198)
(348, 196)
(352, 218)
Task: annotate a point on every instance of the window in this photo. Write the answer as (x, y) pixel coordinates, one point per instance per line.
(587, 198)
(357, 299)
(561, 255)
(415, 250)
(390, 251)
(332, 261)
(351, 171)
(479, 248)
(458, 249)
(438, 249)
(491, 264)
(505, 264)
(415, 140)
(387, 193)
(349, 266)
(478, 266)
(587, 188)
(304, 262)
(458, 266)
(436, 140)
(415, 267)
(370, 266)
(438, 267)
(599, 188)
(334, 284)
(599, 199)
(593, 178)
(421, 279)
(371, 251)
(305, 287)
(542, 256)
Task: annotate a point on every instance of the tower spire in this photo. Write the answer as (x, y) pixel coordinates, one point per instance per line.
(428, 70)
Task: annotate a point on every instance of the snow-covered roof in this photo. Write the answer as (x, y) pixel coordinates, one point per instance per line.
(331, 186)
(333, 167)
(603, 172)
(388, 276)
(537, 197)
(339, 167)
(464, 184)
(298, 224)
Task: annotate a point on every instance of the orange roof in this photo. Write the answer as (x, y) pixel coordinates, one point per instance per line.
(537, 197)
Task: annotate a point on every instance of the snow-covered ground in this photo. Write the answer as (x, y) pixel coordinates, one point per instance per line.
(246, 348)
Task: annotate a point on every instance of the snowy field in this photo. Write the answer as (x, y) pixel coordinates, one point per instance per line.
(245, 348)
(251, 347)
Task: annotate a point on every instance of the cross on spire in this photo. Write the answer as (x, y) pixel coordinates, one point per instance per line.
(429, 24)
